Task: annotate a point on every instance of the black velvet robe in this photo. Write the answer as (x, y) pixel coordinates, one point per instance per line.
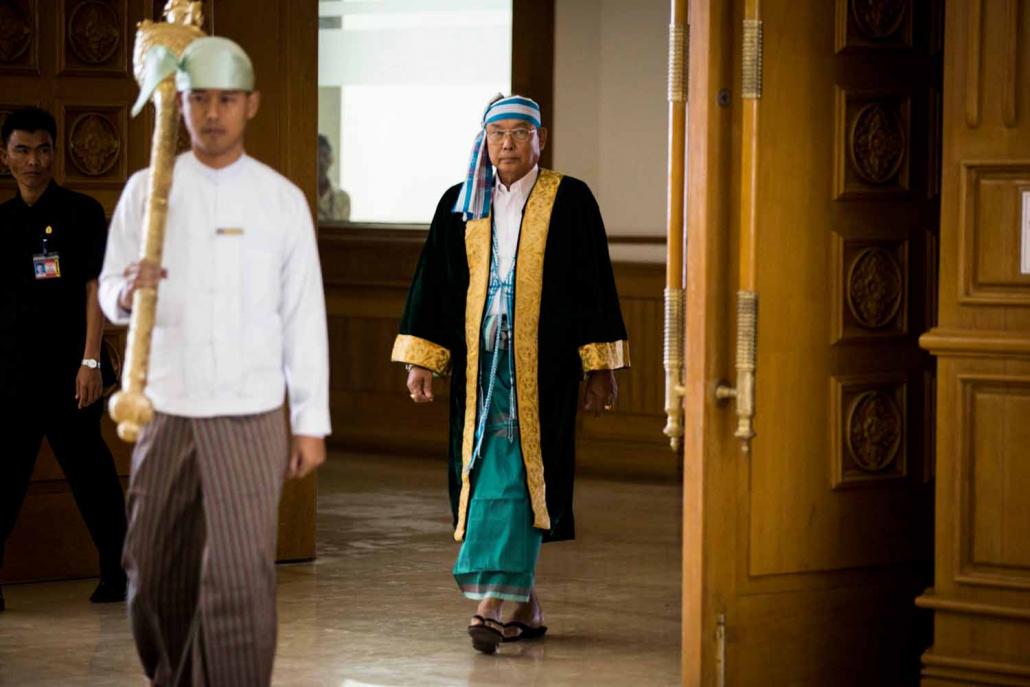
(567, 322)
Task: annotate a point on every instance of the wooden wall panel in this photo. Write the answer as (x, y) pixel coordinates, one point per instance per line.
(989, 233)
(863, 25)
(872, 136)
(367, 274)
(981, 593)
(868, 443)
(91, 152)
(872, 294)
(72, 57)
(19, 37)
(995, 509)
(75, 65)
(94, 37)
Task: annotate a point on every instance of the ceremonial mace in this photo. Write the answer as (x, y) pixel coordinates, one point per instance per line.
(673, 355)
(130, 408)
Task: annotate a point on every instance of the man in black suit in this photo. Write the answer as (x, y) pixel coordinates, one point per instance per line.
(51, 328)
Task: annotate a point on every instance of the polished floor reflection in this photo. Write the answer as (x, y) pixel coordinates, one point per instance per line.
(379, 607)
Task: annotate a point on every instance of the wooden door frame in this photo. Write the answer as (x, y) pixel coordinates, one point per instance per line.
(708, 317)
(532, 58)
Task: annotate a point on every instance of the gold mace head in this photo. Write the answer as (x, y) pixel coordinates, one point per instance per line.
(181, 27)
(184, 12)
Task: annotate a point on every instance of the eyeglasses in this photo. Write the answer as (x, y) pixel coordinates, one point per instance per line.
(519, 135)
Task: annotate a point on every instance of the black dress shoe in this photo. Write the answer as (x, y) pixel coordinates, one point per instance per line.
(3, 605)
(108, 592)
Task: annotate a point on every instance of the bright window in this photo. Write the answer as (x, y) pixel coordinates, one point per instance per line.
(402, 85)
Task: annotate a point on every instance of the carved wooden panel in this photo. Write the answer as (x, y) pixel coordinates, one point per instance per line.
(19, 36)
(94, 37)
(869, 429)
(93, 150)
(871, 144)
(990, 233)
(871, 290)
(873, 24)
(994, 480)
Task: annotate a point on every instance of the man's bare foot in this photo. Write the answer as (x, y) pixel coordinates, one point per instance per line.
(489, 609)
(529, 613)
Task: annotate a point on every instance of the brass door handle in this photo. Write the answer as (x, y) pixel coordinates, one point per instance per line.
(744, 392)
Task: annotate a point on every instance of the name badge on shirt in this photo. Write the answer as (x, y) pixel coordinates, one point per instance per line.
(47, 266)
(229, 231)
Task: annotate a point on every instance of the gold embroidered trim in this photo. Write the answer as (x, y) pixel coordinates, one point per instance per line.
(529, 271)
(477, 250)
(529, 280)
(421, 352)
(611, 355)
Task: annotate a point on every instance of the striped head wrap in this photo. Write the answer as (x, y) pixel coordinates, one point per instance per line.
(474, 198)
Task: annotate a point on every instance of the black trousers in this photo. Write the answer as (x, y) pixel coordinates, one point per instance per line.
(74, 435)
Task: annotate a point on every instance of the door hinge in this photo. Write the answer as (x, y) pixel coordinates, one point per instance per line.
(720, 650)
(751, 81)
(679, 62)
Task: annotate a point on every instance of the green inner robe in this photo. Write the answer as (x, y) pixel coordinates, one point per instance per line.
(499, 555)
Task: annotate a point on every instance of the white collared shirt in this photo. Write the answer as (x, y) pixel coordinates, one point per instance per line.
(508, 204)
(241, 316)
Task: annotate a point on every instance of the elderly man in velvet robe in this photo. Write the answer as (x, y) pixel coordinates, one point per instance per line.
(514, 298)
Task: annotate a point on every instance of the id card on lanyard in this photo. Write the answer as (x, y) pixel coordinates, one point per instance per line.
(46, 265)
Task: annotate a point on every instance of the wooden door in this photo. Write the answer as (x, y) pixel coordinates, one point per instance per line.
(812, 184)
(74, 58)
(981, 593)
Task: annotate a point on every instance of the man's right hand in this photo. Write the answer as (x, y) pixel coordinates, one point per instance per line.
(140, 275)
(420, 384)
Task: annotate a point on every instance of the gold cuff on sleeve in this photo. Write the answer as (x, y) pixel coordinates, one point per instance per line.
(611, 355)
(421, 352)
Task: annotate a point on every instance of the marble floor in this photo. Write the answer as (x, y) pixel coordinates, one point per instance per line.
(379, 608)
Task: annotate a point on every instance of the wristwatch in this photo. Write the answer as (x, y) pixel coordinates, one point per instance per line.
(91, 363)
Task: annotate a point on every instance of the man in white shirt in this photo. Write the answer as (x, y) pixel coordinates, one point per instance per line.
(240, 321)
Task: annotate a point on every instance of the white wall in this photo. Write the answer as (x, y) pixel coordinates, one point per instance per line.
(610, 119)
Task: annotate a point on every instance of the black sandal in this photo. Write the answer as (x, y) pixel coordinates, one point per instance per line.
(523, 631)
(486, 635)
